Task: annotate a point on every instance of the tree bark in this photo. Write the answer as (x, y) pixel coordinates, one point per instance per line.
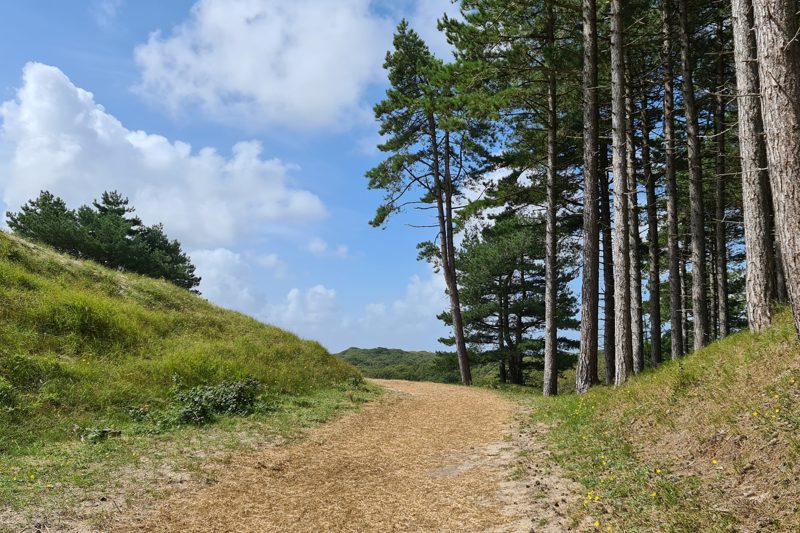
(635, 241)
(551, 249)
(699, 299)
(673, 251)
(756, 200)
(654, 248)
(686, 303)
(721, 168)
(779, 67)
(609, 343)
(624, 356)
(586, 371)
(444, 194)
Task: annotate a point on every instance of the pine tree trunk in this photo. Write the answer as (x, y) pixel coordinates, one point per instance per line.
(721, 168)
(444, 197)
(637, 323)
(685, 296)
(673, 253)
(755, 195)
(609, 344)
(551, 249)
(654, 248)
(624, 354)
(699, 299)
(779, 66)
(586, 371)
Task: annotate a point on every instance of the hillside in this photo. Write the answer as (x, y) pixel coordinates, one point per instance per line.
(392, 363)
(706, 443)
(94, 356)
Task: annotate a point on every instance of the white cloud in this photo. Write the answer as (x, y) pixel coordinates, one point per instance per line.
(58, 138)
(305, 311)
(223, 273)
(342, 251)
(321, 248)
(317, 246)
(303, 64)
(424, 19)
(104, 12)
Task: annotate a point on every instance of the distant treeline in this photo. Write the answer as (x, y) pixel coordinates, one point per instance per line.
(389, 363)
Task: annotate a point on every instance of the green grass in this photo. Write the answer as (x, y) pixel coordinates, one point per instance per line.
(84, 349)
(707, 443)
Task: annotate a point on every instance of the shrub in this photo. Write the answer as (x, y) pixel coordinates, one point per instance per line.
(200, 404)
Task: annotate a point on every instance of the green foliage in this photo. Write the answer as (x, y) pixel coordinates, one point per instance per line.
(200, 404)
(84, 345)
(105, 232)
(390, 363)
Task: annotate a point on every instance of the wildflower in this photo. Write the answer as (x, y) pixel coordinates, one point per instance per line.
(791, 381)
(776, 397)
(658, 470)
(755, 413)
(597, 523)
(777, 410)
(33, 477)
(713, 461)
(653, 494)
(609, 528)
(596, 498)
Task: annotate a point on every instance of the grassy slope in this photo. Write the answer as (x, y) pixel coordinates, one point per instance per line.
(707, 443)
(81, 346)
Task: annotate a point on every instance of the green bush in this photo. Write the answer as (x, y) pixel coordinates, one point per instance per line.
(200, 404)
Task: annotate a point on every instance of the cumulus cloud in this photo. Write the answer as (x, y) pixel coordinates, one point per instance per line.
(304, 64)
(305, 311)
(56, 137)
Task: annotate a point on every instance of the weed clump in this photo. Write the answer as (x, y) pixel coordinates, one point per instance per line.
(198, 405)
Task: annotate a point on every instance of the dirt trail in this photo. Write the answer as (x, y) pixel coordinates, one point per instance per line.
(428, 458)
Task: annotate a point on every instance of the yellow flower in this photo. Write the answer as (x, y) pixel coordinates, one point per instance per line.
(777, 410)
(609, 528)
(791, 381)
(653, 494)
(658, 470)
(597, 523)
(713, 461)
(755, 413)
(33, 477)
(596, 498)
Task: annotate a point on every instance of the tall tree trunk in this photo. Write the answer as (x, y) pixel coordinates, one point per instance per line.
(586, 372)
(673, 251)
(685, 295)
(654, 283)
(756, 199)
(624, 354)
(721, 168)
(781, 292)
(551, 248)
(444, 196)
(609, 344)
(699, 299)
(779, 66)
(637, 325)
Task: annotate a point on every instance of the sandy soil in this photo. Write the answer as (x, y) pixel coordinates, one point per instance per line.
(429, 457)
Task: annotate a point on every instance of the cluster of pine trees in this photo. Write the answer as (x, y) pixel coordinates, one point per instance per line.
(652, 146)
(106, 232)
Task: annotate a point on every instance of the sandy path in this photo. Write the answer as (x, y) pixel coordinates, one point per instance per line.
(428, 458)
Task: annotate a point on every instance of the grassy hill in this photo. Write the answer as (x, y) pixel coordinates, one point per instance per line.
(89, 355)
(707, 443)
(391, 363)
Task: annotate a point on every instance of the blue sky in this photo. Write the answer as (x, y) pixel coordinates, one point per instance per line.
(246, 127)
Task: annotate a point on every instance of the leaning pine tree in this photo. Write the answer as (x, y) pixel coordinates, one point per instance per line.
(435, 152)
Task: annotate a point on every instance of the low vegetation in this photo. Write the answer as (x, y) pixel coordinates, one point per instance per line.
(91, 356)
(392, 363)
(706, 443)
